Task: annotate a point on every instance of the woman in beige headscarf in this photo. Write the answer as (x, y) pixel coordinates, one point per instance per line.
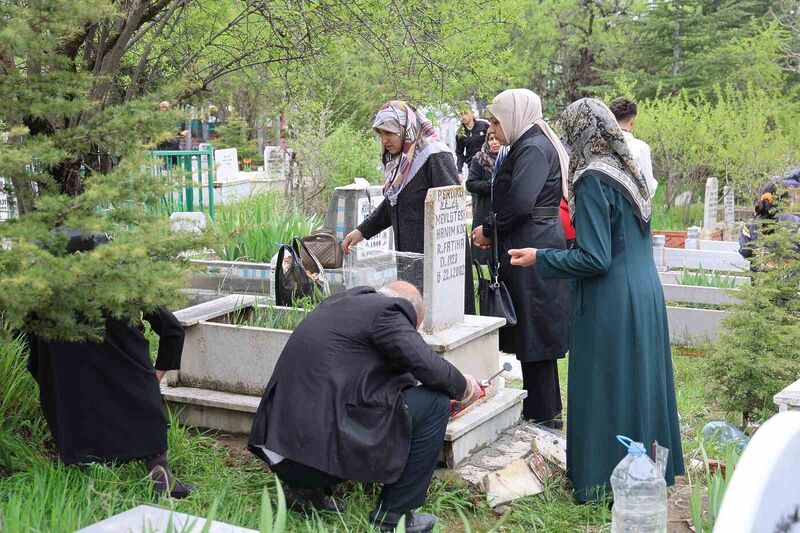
(529, 180)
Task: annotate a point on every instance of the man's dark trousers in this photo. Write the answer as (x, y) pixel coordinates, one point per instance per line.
(430, 411)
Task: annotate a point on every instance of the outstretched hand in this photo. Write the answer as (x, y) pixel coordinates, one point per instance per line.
(524, 257)
(352, 238)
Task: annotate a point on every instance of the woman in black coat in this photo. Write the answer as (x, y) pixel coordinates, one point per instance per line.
(528, 187)
(478, 183)
(414, 160)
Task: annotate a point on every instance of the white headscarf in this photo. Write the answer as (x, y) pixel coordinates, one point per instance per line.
(517, 111)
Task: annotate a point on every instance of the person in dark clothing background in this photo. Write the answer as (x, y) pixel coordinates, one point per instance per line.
(470, 137)
(343, 404)
(102, 400)
(478, 183)
(766, 211)
(414, 160)
(530, 181)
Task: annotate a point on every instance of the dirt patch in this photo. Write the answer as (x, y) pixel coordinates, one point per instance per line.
(678, 497)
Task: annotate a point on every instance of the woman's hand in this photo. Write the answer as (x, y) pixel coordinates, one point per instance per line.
(352, 238)
(160, 374)
(479, 239)
(525, 257)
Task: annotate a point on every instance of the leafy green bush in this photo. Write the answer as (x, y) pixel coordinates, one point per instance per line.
(741, 136)
(349, 153)
(758, 353)
(254, 228)
(233, 133)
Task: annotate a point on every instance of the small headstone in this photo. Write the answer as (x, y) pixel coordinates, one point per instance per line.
(710, 207)
(226, 162)
(683, 199)
(445, 257)
(187, 221)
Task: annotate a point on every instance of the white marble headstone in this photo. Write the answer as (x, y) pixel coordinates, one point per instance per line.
(710, 206)
(226, 162)
(445, 257)
(730, 205)
(763, 492)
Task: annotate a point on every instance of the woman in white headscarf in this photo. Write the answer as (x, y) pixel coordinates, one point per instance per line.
(414, 160)
(529, 181)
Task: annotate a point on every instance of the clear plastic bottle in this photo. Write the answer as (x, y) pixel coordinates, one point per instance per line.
(640, 493)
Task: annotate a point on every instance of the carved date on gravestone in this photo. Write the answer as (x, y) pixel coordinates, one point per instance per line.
(445, 256)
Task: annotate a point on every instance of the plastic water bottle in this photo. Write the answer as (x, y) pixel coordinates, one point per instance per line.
(640, 493)
(722, 432)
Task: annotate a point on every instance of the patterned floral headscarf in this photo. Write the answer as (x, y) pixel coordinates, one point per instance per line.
(486, 158)
(596, 143)
(419, 142)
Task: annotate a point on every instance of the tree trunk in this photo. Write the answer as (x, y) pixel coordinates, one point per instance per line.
(676, 47)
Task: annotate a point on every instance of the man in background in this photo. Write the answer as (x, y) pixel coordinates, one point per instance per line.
(469, 138)
(624, 110)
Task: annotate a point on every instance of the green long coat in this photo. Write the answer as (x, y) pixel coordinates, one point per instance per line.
(620, 367)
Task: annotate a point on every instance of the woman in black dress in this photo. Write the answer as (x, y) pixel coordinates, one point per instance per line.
(530, 180)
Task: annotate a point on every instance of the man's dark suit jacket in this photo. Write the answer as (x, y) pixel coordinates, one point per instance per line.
(335, 400)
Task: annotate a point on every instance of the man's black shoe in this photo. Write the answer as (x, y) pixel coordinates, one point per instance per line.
(307, 500)
(415, 522)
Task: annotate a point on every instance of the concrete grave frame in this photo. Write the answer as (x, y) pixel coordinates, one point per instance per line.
(225, 368)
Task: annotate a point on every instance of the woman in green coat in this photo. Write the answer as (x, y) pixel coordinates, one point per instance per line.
(620, 367)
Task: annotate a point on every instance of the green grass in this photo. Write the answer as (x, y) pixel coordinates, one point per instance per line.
(38, 494)
(676, 218)
(253, 229)
(706, 278)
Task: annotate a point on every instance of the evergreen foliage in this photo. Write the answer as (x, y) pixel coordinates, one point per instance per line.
(758, 354)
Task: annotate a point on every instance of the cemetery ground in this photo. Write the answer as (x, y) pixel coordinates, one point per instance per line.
(37, 494)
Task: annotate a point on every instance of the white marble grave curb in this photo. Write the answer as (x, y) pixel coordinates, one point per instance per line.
(789, 398)
(149, 519)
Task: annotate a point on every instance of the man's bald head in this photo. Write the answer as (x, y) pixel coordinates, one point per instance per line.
(164, 106)
(406, 291)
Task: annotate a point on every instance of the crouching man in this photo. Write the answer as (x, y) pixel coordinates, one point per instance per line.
(343, 404)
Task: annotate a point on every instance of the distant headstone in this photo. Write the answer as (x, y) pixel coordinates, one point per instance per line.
(5, 201)
(226, 162)
(445, 257)
(276, 162)
(683, 199)
(762, 494)
(710, 207)
(729, 203)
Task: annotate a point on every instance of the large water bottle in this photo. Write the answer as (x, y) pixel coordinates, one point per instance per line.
(640, 493)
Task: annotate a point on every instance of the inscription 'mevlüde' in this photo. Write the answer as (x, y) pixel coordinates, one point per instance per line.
(445, 256)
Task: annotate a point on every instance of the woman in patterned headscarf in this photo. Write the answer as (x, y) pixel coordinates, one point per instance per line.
(414, 160)
(620, 367)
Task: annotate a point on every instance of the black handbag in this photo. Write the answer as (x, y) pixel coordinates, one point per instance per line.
(493, 296)
(299, 277)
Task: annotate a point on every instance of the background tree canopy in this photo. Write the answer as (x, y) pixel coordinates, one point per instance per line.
(80, 83)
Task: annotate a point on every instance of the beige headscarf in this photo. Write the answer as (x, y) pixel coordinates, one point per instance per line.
(517, 111)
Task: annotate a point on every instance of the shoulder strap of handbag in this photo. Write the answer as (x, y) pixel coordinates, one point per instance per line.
(300, 248)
